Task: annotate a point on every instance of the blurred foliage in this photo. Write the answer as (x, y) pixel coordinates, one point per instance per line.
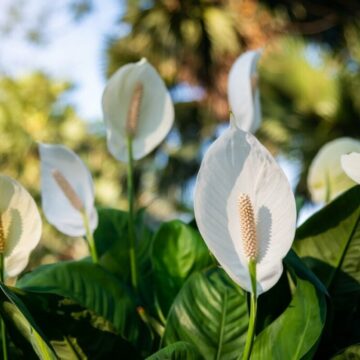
(308, 79)
(193, 41)
(324, 21)
(308, 91)
(309, 97)
(34, 109)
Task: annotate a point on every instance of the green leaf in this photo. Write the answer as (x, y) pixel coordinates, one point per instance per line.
(177, 252)
(111, 237)
(272, 303)
(180, 350)
(350, 353)
(298, 329)
(93, 287)
(17, 315)
(332, 236)
(76, 332)
(210, 312)
(293, 261)
(329, 244)
(112, 227)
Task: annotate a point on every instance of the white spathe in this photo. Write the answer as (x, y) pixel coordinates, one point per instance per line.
(21, 223)
(237, 163)
(351, 165)
(57, 208)
(156, 115)
(326, 177)
(243, 92)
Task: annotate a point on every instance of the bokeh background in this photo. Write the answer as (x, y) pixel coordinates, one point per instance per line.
(55, 58)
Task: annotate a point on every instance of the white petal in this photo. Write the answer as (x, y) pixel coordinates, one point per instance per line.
(16, 263)
(326, 178)
(351, 165)
(57, 208)
(244, 101)
(237, 163)
(156, 110)
(21, 223)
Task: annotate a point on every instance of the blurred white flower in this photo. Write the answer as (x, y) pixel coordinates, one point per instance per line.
(351, 165)
(326, 177)
(245, 209)
(67, 190)
(20, 225)
(243, 91)
(136, 104)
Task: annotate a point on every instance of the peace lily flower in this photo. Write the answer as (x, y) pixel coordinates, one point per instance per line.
(243, 91)
(326, 178)
(20, 225)
(67, 192)
(351, 165)
(136, 104)
(245, 209)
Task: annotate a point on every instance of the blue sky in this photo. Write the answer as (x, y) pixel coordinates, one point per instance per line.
(75, 51)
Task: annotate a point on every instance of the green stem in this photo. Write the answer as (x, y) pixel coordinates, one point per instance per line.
(131, 225)
(3, 328)
(253, 308)
(90, 238)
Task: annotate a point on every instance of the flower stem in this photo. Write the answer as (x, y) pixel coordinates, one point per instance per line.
(131, 225)
(253, 308)
(3, 328)
(90, 238)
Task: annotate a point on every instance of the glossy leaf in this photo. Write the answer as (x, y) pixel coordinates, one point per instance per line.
(92, 287)
(111, 239)
(273, 303)
(112, 228)
(209, 312)
(295, 262)
(177, 252)
(298, 329)
(332, 236)
(75, 332)
(329, 243)
(180, 350)
(17, 315)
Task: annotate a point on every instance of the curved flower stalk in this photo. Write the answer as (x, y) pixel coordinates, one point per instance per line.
(136, 104)
(20, 226)
(243, 91)
(238, 180)
(138, 114)
(351, 165)
(67, 192)
(246, 213)
(326, 178)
